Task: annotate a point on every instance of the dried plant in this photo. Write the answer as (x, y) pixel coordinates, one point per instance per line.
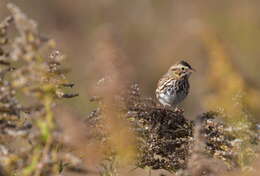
(31, 83)
(165, 138)
(237, 102)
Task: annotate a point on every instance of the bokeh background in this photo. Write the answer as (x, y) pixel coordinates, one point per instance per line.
(143, 38)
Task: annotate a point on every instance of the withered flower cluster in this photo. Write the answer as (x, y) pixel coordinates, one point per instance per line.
(164, 135)
(219, 141)
(31, 82)
(166, 139)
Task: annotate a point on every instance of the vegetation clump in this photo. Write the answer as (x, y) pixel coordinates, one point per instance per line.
(165, 137)
(31, 83)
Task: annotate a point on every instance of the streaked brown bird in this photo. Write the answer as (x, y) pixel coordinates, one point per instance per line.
(174, 86)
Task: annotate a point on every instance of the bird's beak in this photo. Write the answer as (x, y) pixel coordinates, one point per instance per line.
(192, 70)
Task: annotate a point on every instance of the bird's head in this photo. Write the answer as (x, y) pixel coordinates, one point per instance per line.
(181, 69)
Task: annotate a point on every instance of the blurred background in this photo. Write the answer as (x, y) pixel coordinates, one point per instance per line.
(144, 38)
(138, 40)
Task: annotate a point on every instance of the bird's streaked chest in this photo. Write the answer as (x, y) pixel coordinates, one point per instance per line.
(173, 91)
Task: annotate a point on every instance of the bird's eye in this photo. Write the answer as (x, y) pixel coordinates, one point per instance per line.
(182, 68)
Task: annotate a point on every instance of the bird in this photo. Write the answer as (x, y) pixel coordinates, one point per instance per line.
(174, 85)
